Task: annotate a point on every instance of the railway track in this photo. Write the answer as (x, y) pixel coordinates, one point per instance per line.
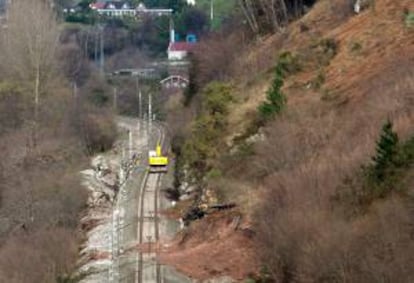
(135, 216)
(149, 270)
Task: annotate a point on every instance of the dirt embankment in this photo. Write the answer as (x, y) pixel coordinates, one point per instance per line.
(217, 245)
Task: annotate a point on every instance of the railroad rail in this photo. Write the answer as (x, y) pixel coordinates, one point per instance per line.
(149, 270)
(135, 217)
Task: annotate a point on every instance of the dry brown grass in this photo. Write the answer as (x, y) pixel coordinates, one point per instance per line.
(39, 257)
(324, 136)
(382, 37)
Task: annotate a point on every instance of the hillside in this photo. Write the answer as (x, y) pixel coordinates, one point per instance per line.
(309, 208)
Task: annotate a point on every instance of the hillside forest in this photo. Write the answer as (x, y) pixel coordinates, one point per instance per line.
(292, 146)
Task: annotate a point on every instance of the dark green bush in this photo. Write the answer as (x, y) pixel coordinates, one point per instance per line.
(325, 49)
(275, 99)
(319, 80)
(384, 175)
(289, 63)
(386, 153)
(205, 144)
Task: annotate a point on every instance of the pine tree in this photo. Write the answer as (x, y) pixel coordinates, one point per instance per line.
(387, 147)
(276, 100)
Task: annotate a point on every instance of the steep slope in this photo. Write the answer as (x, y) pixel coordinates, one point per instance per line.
(354, 72)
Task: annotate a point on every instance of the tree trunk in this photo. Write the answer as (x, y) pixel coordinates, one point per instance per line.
(248, 12)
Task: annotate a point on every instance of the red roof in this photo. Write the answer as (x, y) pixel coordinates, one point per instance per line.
(181, 46)
(97, 5)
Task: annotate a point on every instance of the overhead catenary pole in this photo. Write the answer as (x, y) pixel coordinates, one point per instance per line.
(96, 41)
(102, 51)
(130, 144)
(140, 105)
(115, 99)
(75, 91)
(149, 112)
(138, 91)
(212, 10)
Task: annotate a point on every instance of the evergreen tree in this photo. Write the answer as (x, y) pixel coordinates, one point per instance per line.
(386, 150)
(276, 100)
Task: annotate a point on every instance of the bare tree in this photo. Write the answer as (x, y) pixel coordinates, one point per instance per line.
(29, 48)
(248, 9)
(262, 15)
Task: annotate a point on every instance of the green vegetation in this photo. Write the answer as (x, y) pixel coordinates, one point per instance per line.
(205, 142)
(176, 5)
(84, 15)
(392, 161)
(275, 99)
(223, 9)
(87, 18)
(319, 80)
(409, 19)
(150, 34)
(386, 151)
(191, 89)
(355, 47)
(289, 63)
(190, 20)
(325, 49)
(99, 96)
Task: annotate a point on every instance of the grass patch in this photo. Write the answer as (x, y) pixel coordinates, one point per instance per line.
(329, 95)
(325, 49)
(409, 19)
(319, 80)
(355, 48)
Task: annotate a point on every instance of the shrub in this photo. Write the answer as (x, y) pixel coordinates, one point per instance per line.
(192, 88)
(177, 143)
(289, 63)
(204, 145)
(409, 19)
(216, 98)
(355, 47)
(326, 49)
(98, 132)
(99, 97)
(12, 108)
(319, 80)
(275, 99)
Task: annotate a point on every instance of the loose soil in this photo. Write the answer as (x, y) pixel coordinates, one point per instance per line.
(217, 245)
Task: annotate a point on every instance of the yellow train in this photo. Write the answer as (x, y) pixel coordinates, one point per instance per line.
(157, 162)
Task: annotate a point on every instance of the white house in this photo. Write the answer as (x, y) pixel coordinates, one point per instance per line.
(122, 8)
